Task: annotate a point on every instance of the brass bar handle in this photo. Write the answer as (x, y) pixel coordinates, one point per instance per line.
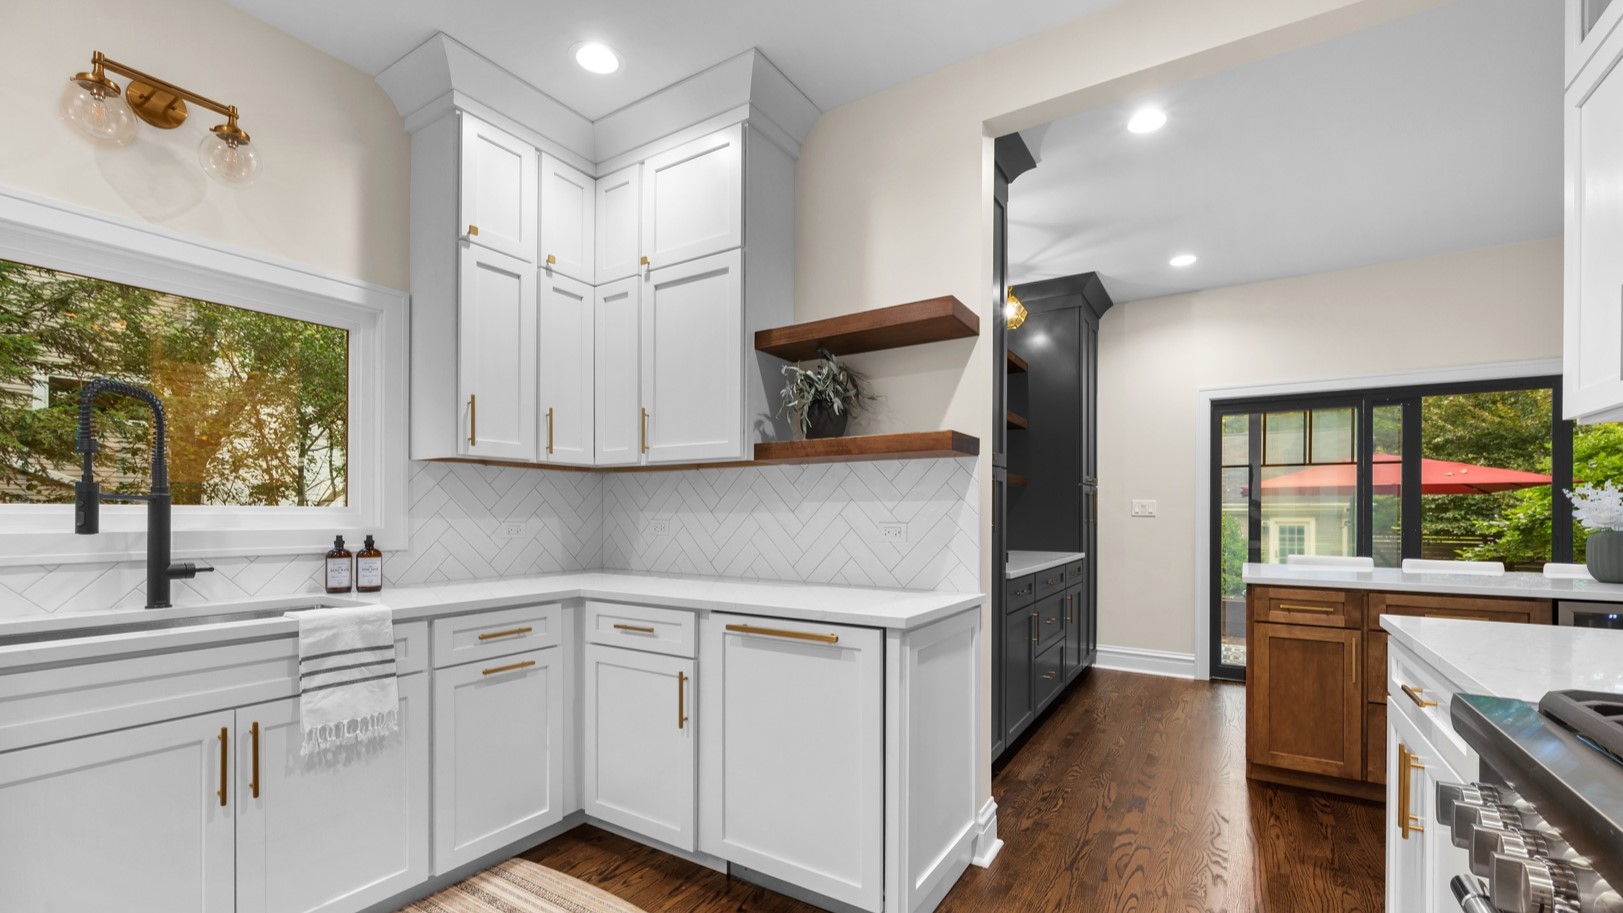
(510, 632)
(681, 700)
(1355, 663)
(1403, 791)
(549, 430)
(253, 784)
(511, 667)
(1051, 621)
(1414, 695)
(473, 420)
(645, 419)
(779, 632)
(636, 629)
(225, 761)
(1300, 607)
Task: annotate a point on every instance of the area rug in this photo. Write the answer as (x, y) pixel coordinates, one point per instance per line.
(521, 886)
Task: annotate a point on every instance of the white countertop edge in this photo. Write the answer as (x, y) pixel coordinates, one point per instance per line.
(1022, 563)
(1516, 661)
(1403, 632)
(1517, 585)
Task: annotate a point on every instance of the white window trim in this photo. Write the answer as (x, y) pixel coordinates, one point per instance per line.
(48, 233)
(1205, 396)
(1310, 529)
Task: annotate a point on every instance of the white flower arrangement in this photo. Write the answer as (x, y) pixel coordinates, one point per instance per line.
(1598, 507)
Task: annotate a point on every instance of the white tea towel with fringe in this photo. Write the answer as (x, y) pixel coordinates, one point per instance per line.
(347, 688)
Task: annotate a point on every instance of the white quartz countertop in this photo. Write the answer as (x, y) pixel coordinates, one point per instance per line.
(1527, 586)
(1512, 660)
(861, 606)
(1023, 563)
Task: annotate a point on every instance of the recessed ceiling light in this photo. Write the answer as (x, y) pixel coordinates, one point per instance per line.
(1183, 260)
(595, 57)
(1147, 120)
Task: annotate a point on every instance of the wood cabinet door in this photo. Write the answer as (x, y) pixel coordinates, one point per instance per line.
(639, 748)
(330, 834)
(693, 199)
(1019, 682)
(1307, 701)
(792, 753)
(564, 356)
(568, 221)
(498, 754)
(619, 224)
(693, 361)
(498, 190)
(618, 373)
(138, 821)
(496, 340)
(1592, 350)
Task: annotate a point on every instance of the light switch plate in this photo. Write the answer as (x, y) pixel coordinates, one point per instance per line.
(1143, 508)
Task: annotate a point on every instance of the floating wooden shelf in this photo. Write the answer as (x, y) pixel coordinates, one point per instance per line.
(1018, 421)
(911, 324)
(1017, 480)
(910, 446)
(1017, 365)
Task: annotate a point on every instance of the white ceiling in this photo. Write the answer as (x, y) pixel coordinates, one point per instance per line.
(834, 50)
(1435, 133)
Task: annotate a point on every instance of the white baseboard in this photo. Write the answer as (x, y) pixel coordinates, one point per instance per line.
(987, 843)
(1148, 662)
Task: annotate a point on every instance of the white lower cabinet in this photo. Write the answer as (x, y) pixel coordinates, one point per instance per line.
(294, 815)
(639, 749)
(792, 753)
(137, 821)
(498, 753)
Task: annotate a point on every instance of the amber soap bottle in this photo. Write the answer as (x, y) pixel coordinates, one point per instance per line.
(340, 568)
(368, 568)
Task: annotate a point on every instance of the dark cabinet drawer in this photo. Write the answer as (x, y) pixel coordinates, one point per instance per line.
(1050, 612)
(1021, 592)
(1075, 572)
(1050, 581)
(1050, 673)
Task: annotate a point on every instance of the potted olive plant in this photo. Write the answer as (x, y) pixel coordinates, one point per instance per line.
(822, 397)
(1600, 509)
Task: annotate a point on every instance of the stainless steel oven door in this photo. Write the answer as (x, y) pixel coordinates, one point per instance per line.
(1590, 615)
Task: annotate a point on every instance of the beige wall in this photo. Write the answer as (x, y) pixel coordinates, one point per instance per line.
(334, 191)
(1497, 304)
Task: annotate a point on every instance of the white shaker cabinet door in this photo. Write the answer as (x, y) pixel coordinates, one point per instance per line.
(568, 221)
(693, 361)
(498, 190)
(619, 224)
(639, 747)
(692, 199)
(138, 821)
(498, 754)
(496, 340)
(564, 356)
(330, 834)
(1593, 281)
(792, 752)
(1406, 849)
(618, 371)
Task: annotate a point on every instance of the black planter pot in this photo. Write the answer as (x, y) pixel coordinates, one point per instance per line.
(822, 421)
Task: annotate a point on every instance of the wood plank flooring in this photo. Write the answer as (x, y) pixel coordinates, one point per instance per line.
(1131, 797)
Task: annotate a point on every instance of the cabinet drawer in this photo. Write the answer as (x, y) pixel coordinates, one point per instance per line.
(1075, 572)
(1050, 581)
(1021, 592)
(1421, 694)
(1321, 608)
(1050, 671)
(485, 635)
(640, 627)
(1050, 612)
(1480, 608)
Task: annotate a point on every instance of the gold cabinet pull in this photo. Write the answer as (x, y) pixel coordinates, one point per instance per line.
(645, 424)
(551, 260)
(1299, 607)
(779, 632)
(510, 667)
(1407, 765)
(681, 700)
(473, 420)
(1022, 592)
(473, 231)
(225, 769)
(549, 430)
(1050, 676)
(1414, 695)
(1051, 621)
(510, 632)
(636, 629)
(253, 784)
(1053, 581)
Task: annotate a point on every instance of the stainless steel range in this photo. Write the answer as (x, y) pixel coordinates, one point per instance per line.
(1544, 827)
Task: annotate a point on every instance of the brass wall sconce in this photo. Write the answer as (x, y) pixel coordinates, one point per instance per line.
(94, 105)
(1014, 313)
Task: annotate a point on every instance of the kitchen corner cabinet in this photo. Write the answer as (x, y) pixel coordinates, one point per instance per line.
(640, 756)
(498, 201)
(619, 224)
(565, 367)
(568, 221)
(618, 391)
(1592, 350)
(693, 361)
(692, 199)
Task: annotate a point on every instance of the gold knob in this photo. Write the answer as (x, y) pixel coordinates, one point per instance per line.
(473, 231)
(551, 260)
(643, 262)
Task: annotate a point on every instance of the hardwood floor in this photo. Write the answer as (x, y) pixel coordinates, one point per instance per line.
(1131, 797)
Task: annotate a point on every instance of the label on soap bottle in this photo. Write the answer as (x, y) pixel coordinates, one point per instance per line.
(368, 572)
(337, 573)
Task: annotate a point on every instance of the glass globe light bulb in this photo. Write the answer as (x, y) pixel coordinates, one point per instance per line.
(98, 113)
(228, 161)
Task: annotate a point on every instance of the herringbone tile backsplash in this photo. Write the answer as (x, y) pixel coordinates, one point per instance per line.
(817, 523)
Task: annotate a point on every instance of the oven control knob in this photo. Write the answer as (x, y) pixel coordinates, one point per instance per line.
(1516, 885)
(1522, 844)
(1475, 794)
(1499, 817)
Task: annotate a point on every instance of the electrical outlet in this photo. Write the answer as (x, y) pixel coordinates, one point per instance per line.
(1143, 508)
(895, 533)
(513, 529)
(658, 528)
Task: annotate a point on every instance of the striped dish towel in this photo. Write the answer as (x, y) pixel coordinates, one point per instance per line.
(347, 688)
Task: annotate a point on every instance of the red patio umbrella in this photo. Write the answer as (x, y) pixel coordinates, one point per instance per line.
(1437, 477)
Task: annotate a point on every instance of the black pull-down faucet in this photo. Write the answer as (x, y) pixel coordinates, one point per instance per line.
(87, 496)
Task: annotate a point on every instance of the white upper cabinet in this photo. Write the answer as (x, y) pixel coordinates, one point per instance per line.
(564, 366)
(619, 224)
(693, 361)
(618, 372)
(692, 200)
(498, 199)
(568, 221)
(1592, 389)
(496, 341)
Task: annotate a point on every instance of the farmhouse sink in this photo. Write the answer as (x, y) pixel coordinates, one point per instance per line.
(135, 621)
